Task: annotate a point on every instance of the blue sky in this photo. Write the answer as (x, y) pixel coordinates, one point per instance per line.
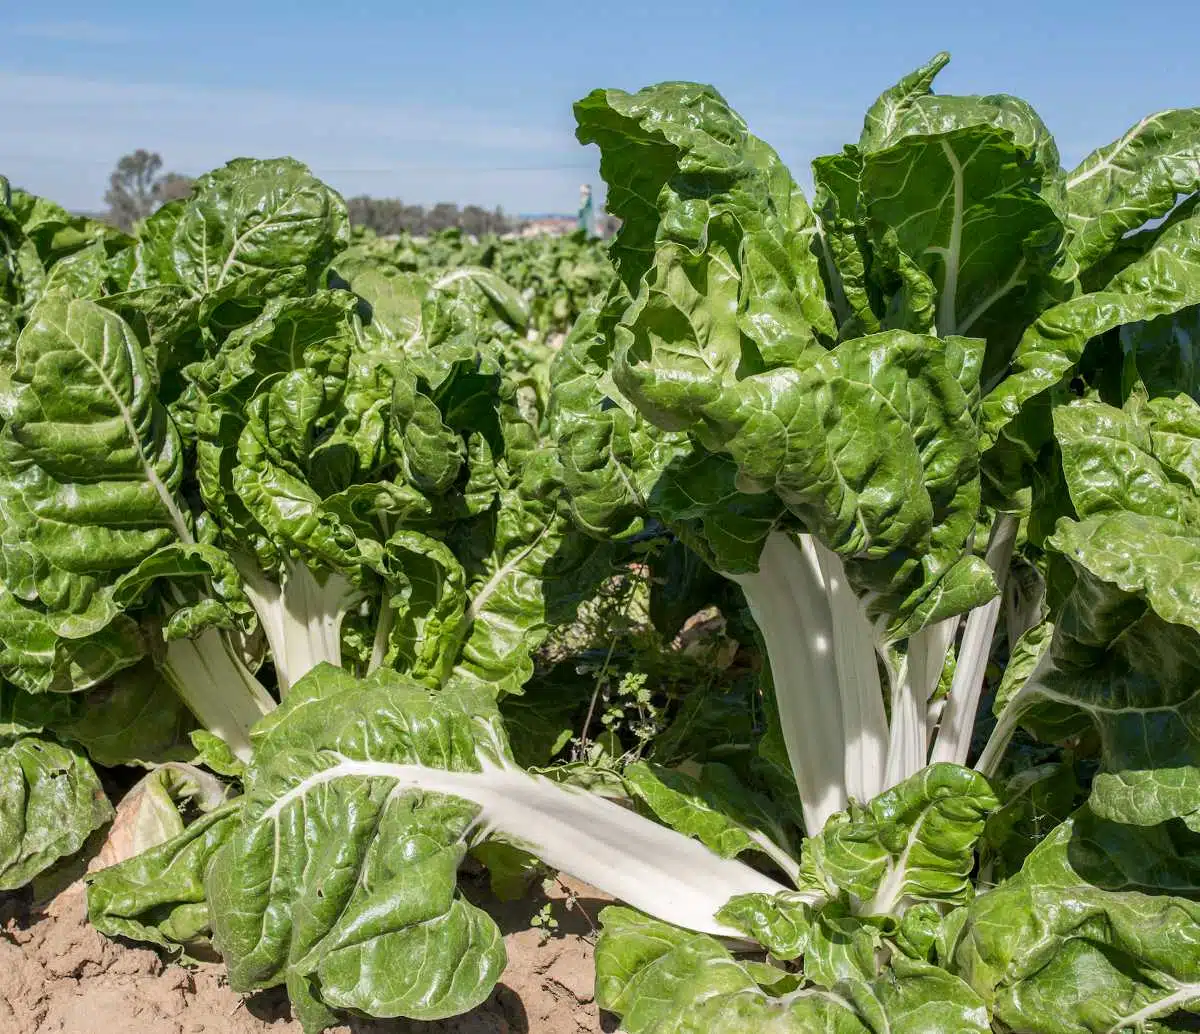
(471, 101)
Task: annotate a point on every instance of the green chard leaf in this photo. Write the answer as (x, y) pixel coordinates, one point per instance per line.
(661, 980)
(1165, 280)
(965, 207)
(1125, 642)
(1095, 934)
(90, 475)
(254, 216)
(158, 895)
(713, 807)
(1120, 187)
(364, 912)
(50, 803)
(914, 842)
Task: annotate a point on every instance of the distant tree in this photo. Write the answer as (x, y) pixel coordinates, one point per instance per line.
(137, 188)
(442, 216)
(173, 186)
(480, 221)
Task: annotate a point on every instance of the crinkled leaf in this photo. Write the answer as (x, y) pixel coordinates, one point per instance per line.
(874, 447)
(781, 923)
(966, 208)
(914, 842)
(1136, 592)
(661, 980)
(701, 199)
(698, 495)
(1097, 933)
(837, 180)
(1164, 280)
(713, 807)
(611, 455)
(35, 657)
(363, 911)
(525, 569)
(428, 601)
(92, 464)
(1121, 186)
(1128, 636)
(158, 895)
(50, 802)
(893, 105)
(255, 216)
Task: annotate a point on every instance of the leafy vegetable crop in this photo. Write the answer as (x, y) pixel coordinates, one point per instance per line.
(559, 277)
(310, 530)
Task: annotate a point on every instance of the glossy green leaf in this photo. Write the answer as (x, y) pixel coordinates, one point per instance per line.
(966, 209)
(1096, 934)
(660, 980)
(135, 718)
(254, 216)
(703, 200)
(1163, 281)
(158, 895)
(50, 802)
(100, 463)
(893, 105)
(1128, 636)
(915, 842)
(363, 911)
(715, 808)
(611, 456)
(1119, 187)
(838, 182)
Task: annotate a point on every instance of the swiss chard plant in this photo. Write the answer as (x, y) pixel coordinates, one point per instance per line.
(286, 523)
(223, 467)
(937, 421)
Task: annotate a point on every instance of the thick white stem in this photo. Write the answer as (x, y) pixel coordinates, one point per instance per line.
(325, 606)
(958, 720)
(653, 868)
(217, 687)
(787, 864)
(913, 685)
(264, 595)
(989, 761)
(300, 616)
(863, 715)
(788, 602)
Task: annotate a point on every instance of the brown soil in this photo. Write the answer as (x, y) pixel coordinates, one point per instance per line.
(59, 976)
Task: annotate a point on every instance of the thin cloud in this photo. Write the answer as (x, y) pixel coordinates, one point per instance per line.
(63, 134)
(77, 32)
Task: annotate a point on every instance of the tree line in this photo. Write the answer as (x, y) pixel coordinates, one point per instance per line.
(138, 187)
(389, 216)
